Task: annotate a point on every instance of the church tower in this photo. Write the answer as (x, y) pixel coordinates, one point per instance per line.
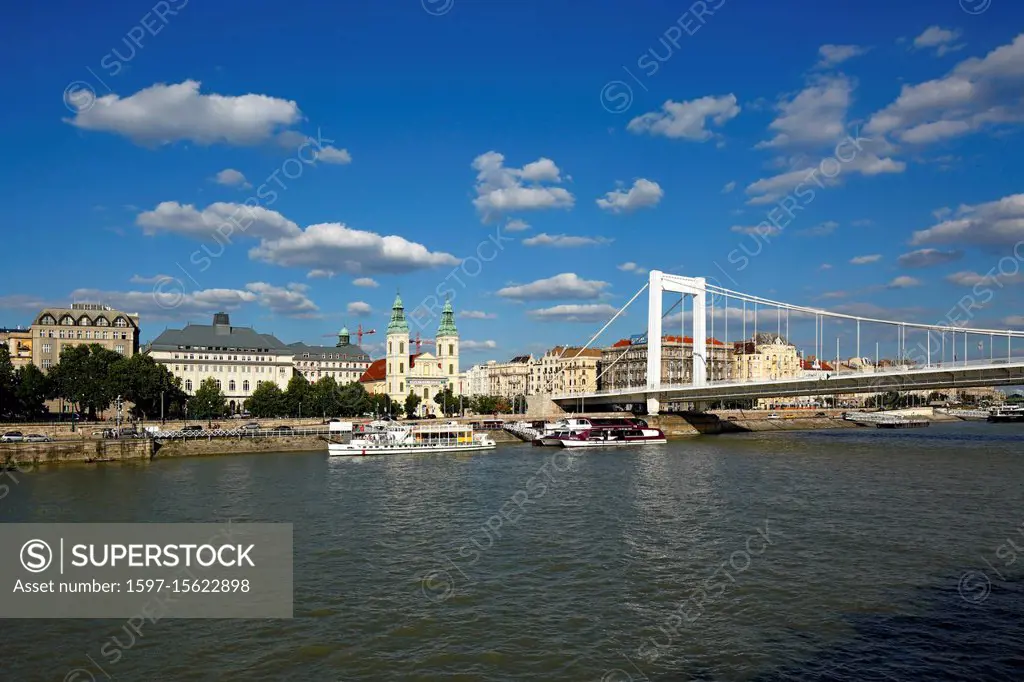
(343, 337)
(397, 369)
(447, 344)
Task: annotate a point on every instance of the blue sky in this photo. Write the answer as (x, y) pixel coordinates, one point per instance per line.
(442, 126)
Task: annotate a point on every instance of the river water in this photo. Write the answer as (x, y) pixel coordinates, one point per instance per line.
(832, 555)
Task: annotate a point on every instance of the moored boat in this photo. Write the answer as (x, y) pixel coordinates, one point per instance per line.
(1006, 413)
(606, 436)
(555, 433)
(393, 439)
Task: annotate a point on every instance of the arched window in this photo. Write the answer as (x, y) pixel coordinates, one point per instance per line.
(188, 385)
(389, 368)
(401, 367)
(231, 385)
(426, 393)
(401, 346)
(451, 349)
(218, 385)
(401, 387)
(245, 385)
(451, 369)
(389, 347)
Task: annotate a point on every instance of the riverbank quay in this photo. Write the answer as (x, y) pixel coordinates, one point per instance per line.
(746, 421)
(87, 449)
(84, 447)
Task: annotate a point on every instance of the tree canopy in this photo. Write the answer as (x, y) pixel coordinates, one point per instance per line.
(268, 400)
(208, 401)
(83, 377)
(412, 401)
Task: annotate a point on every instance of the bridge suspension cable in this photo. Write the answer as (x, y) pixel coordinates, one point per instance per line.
(594, 338)
(845, 316)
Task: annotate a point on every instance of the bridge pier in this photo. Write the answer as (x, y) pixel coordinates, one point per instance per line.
(653, 406)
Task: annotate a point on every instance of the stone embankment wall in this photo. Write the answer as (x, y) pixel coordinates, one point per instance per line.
(742, 421)
(79, 450)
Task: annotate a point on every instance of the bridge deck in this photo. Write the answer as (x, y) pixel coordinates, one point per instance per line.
(928, 378)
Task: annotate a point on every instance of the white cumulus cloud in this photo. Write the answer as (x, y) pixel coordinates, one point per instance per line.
(565, 285)
(167, 113)
(501, 189)
(643, 194)
(593, 312)
(564, 241)
(687, 120)
(231, 178)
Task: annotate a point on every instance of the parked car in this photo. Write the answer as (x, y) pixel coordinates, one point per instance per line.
(192, 427)
(251, 426)
(283, 429)
(37, 438)
(820, 414)
(774, 416)
(431, 416)
(12, 437)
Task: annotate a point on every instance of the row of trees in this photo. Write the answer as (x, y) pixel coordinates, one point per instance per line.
(89, 378)
(323, 398)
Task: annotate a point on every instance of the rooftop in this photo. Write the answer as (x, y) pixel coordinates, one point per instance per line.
(221, 336)
(348, 352)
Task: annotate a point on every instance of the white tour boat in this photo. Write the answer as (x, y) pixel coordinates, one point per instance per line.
(605, 436)
(390, 438)
(555, 433)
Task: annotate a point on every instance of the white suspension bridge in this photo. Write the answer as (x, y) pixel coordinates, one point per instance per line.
(933, 362)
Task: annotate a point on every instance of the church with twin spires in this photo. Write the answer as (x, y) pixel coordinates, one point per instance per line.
(424, 374)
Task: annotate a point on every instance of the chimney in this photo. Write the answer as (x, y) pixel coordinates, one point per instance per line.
(221, 323)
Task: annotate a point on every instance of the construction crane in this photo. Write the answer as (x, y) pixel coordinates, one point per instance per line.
(360, 332)
(418, 341)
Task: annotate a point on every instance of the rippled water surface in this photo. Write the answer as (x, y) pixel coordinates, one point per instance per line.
(844, 555)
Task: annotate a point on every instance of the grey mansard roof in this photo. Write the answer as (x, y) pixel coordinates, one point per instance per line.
(219, 337)
(350, 352)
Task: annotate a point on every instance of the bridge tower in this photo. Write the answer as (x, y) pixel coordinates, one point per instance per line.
(694, 288)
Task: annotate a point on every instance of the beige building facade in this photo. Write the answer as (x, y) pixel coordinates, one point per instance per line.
(239, 359)
(768, 359)
(19, 345)
(624, 364)
(56, 328)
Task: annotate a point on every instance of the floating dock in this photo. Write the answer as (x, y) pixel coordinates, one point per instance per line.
(903, 424)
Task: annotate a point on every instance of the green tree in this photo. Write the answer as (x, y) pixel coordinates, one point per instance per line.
(268, 400)
(32, 389)
(208, 401)
(8, 401)
(143, 381)
(353, 400)
(323, 398)
(297, 394)
(412, 401)
(382, 406)
(82, 377)
(485, 404)
(448, 401)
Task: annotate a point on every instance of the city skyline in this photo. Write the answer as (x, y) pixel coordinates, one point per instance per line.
(860, 166)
